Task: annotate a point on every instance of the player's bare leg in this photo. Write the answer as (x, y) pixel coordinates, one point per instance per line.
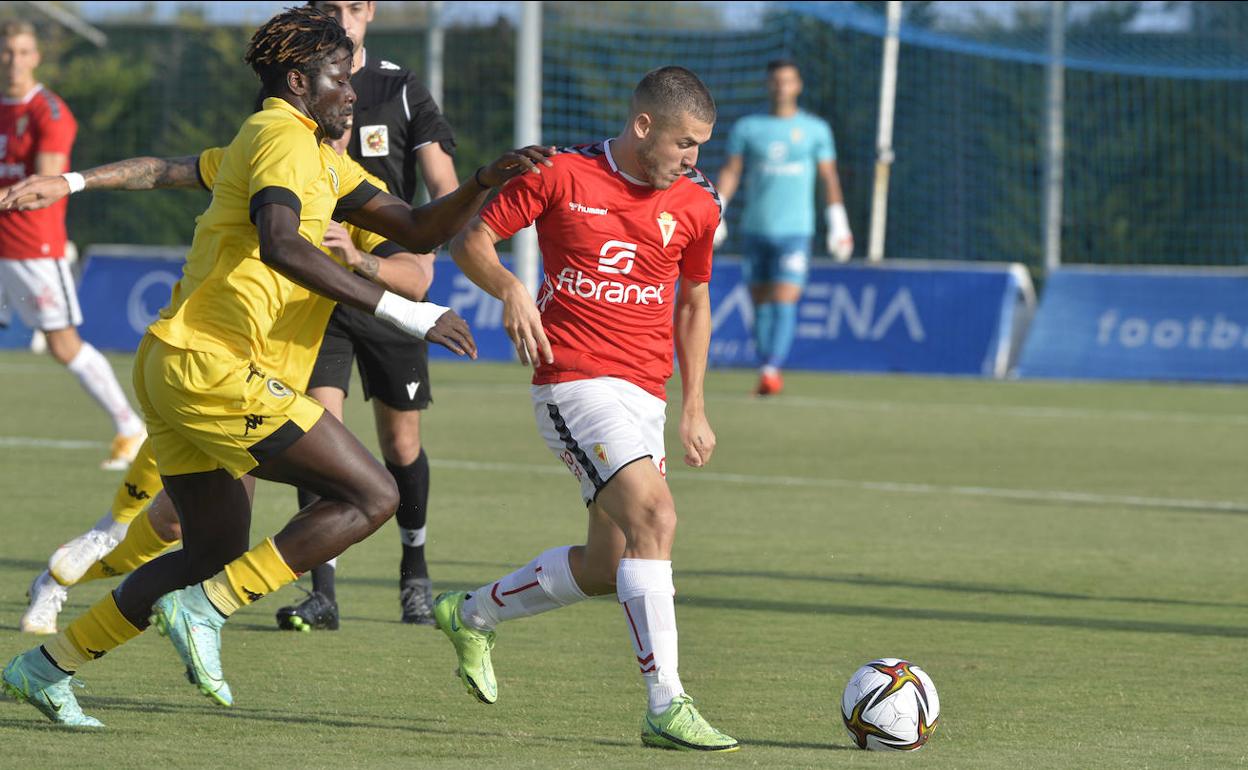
(320, 608)
(632, 525)
(98, 379)
(355, 497)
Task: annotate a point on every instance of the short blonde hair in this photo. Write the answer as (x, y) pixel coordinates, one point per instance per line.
(14, 28)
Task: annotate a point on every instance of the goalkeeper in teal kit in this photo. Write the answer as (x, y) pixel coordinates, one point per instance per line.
(781, 154)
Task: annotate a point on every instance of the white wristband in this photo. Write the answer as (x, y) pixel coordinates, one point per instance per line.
(838, 219)
(75, 181)
(415, 318)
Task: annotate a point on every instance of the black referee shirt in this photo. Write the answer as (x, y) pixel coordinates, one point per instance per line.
(394, 116)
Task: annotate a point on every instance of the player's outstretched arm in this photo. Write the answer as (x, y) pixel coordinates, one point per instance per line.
(693, 341)
(423, 229)
(289, 253)
(37, 192)
(474, 252)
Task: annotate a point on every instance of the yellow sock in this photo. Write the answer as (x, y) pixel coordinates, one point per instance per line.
(245, 580)
(140, 545)
(140, 485)
(103, 628)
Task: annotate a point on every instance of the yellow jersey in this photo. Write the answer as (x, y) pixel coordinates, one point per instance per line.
(228, 301)
(295, 337)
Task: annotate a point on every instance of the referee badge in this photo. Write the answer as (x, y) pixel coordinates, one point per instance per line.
(375, 141)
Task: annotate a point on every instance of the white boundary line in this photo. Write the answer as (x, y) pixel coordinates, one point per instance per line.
(891, 487)
(937, 407)
(24, 442)
(1038, 495)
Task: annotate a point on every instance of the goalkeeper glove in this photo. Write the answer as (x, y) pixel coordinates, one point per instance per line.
(840, 239)
(721, 232)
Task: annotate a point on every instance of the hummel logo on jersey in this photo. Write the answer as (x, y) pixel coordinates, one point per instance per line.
(134, 491)
(388, 65)
(617, 257)
(412, 387)
(95, 654)
(252, 596)
(578, 208)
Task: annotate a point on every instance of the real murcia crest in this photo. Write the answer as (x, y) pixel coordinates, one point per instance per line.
(667, 226)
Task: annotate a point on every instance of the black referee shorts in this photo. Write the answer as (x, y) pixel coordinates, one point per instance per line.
(394, 367)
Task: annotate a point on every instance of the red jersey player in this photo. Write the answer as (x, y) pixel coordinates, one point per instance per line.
(36, 134)
(625, 228)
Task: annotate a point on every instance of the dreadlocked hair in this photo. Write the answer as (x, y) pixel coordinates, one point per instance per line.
(296, 39)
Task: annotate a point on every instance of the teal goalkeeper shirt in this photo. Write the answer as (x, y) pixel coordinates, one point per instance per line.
(780, 157)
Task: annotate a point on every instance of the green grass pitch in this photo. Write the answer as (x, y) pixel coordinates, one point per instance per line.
(1068, 561)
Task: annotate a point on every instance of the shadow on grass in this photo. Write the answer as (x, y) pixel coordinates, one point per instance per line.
(746, 743)
(953, 587)
(965, 616)
(24, 565)
(404, 723)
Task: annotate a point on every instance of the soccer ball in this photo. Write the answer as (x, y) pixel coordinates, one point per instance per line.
(890, 704)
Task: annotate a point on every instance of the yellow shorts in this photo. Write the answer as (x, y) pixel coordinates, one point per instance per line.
(140, 485)
(206, 411)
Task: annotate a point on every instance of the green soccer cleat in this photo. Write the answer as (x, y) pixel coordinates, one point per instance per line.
(682, 728)
(32, 678)
(472, 647)
(194, 626)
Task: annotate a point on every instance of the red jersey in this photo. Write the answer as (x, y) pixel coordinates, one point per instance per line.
(38, 122)
(612, 251)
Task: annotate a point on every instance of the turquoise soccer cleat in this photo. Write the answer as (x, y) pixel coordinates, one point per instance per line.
(682, 728)
(194, 626)
(472, 647)
(32, 678)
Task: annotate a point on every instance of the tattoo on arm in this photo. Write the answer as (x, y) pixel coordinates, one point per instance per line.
(145, 174)
(369, 266)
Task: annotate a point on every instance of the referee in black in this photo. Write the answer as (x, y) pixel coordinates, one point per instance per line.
(398, 128)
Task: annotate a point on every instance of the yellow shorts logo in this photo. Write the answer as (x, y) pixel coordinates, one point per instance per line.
(277, 388)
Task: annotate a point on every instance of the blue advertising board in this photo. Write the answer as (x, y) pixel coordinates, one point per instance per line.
(121, 290)
(936, 318)
(1134, 323)
(920, 317)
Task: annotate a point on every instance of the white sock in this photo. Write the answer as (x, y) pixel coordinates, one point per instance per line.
(644, 588)
(412, 537)
(546, 583)
(113, 528)
(98, 379)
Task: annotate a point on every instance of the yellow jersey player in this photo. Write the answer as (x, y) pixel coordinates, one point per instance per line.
(214, 413)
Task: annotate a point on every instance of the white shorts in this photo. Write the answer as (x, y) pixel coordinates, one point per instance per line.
(598, 426)
(42, 292)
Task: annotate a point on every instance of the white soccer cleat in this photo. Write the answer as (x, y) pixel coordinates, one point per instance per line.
(46, 597)
(72, 560)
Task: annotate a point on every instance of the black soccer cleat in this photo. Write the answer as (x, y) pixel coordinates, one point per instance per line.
(316, 611)
(416, 598)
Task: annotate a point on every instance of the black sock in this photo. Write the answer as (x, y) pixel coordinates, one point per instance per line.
(322, 576)
(413, 483)
(323, 581)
